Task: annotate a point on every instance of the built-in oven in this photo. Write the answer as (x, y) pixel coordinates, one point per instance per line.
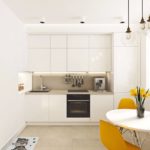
(78, 105)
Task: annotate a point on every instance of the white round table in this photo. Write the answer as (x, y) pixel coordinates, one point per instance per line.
(127, 118)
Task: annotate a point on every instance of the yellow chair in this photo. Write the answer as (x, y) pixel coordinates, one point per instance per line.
(126, 103)
(112, 139)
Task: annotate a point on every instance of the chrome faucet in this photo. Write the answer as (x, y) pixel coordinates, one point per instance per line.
(42, 86)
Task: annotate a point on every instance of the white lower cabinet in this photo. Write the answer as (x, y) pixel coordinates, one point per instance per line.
(53, 108)
(57, 108)
(100, 105)
(36, 107)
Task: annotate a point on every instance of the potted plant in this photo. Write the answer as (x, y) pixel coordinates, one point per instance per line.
(140, 95)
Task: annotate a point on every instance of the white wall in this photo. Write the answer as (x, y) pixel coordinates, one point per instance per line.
(12, 61)
(145, 60)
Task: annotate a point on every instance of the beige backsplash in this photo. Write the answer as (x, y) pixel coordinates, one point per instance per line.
(57, 82)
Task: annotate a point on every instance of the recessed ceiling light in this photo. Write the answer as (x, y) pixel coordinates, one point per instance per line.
(122, 22)
(82, 20)
(42, 20)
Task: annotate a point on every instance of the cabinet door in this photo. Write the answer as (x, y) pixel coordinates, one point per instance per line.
(100, 105)
(78, 41)
(38, 41)
(58, 41)
(36, 108)
(100, 41)
(125, 68)
(58, 60)
(39, 60)
(77, 59)
(100, 60)
(57, 108)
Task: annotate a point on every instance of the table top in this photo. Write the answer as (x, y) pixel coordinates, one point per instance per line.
(127, 118)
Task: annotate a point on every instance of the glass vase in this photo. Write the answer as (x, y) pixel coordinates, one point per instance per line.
(140, 111)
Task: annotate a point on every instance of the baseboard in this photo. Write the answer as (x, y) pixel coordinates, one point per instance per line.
(62, 123)
(12, 137)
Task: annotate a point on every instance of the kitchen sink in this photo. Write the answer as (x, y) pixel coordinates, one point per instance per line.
(78, 90)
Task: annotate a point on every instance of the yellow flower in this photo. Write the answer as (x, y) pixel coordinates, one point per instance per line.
(133, 92)
(142, 92)
(146, 95)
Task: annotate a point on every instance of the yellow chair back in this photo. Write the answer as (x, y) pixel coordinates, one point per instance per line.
(126, 103)
(111, 137)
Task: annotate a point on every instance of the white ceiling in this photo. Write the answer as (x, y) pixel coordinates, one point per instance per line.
(70, 11)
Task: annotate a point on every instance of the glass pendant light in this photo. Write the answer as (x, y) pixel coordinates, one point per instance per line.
(148, 22)
(142, 22)
(128, 31)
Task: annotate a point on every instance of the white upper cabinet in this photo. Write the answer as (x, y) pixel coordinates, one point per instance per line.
(39, 60)
(39, 41)
(100, 41)
(77, 59)
(58, 41)
(125, 68)
(58, 60)
(119, 39)
(78, 41)
(61, 53)
(100, 60)
(58, 53)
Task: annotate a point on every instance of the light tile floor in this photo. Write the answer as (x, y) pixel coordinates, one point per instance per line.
(65, 137)
(68, 137)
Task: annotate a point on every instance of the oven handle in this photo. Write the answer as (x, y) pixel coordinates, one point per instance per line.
(78, 100)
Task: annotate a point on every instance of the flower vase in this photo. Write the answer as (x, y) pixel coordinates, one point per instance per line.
(140, 111)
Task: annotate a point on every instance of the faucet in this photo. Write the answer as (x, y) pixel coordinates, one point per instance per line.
(42, 86)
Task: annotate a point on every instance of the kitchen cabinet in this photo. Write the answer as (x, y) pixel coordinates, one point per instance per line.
(100, 105)
(125, 68)
(77, 60)
(39, 41)
(58, 60)
(57, 108)
(39, 60)
(100, 60)
(72, 53)
(58, 41)
(36, 108)
(103, 41)
(78, 41)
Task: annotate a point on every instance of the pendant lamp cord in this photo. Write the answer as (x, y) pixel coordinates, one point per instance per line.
(128, 13)
(142, 8)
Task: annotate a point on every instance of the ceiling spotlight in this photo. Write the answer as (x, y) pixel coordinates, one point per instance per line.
(42, 21)
(82, 20)
(122, 19)
(122, 22)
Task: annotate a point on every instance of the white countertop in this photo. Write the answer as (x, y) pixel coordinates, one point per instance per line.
(64, 92)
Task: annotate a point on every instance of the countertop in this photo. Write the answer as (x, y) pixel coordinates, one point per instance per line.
(65, 92)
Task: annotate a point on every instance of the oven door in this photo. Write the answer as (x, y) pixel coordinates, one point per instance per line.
(78, 108)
